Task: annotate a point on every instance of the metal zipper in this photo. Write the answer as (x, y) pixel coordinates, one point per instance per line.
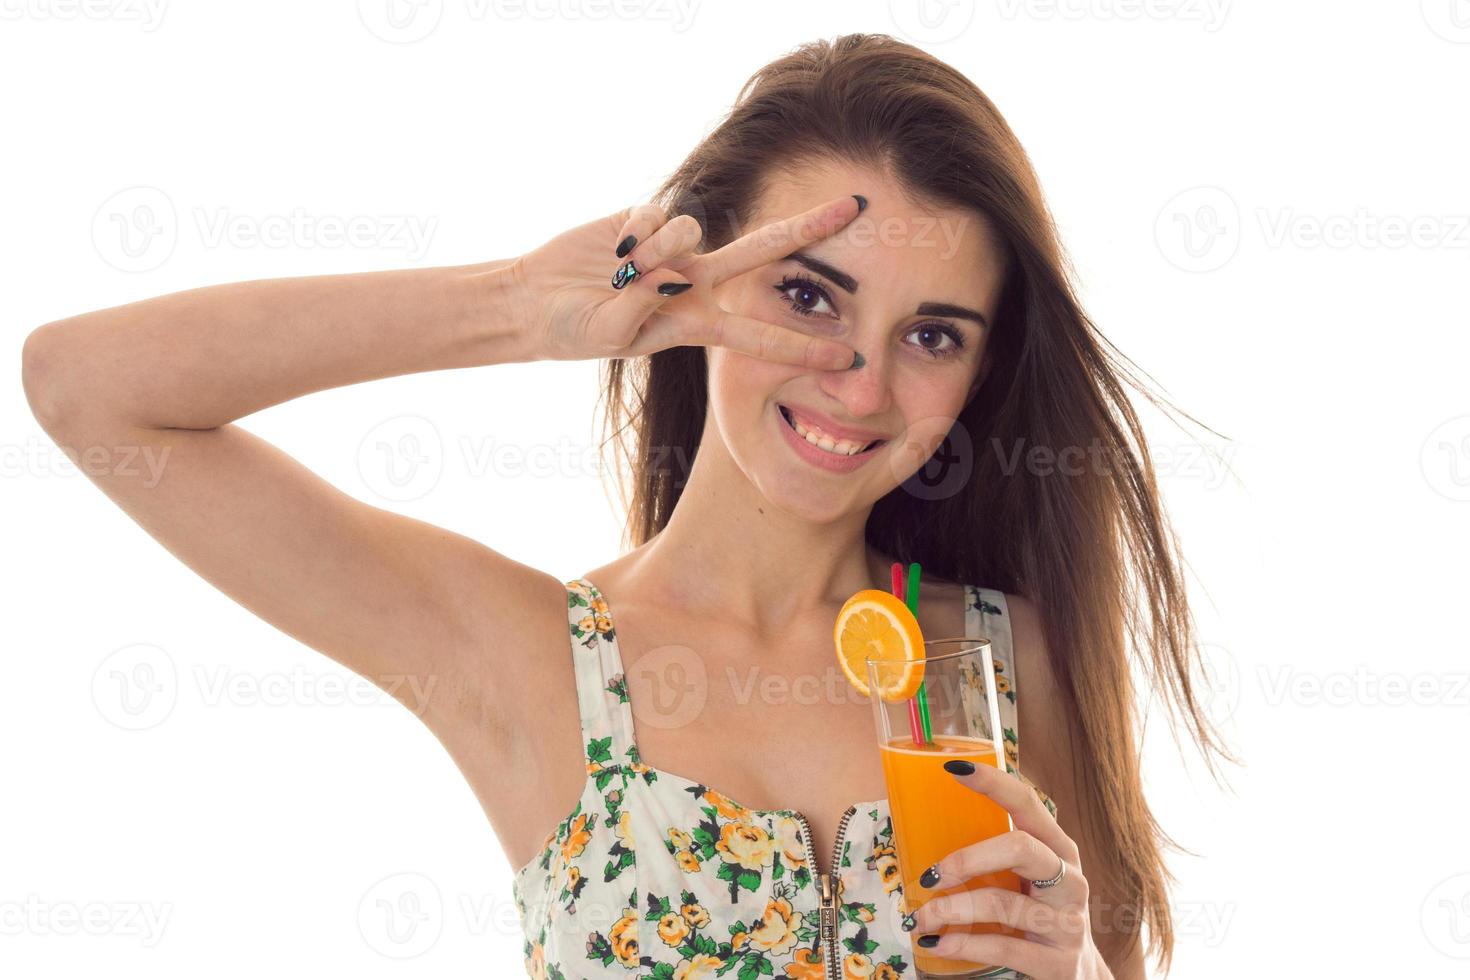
(827, 890)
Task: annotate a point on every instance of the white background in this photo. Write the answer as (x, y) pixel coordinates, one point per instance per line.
(1266, 206)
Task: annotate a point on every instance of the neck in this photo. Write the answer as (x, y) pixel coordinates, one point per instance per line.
(727, 547)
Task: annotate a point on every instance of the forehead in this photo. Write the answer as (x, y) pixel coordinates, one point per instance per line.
(894, 233)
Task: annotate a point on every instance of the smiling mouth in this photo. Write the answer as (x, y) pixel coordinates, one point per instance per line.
(841, 447)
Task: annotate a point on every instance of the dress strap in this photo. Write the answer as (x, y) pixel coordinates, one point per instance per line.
(987, 615)
(602, 692)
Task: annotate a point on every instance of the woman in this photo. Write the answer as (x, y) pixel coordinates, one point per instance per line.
(852, 279)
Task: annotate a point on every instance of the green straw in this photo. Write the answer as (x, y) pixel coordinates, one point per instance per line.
(912, 601)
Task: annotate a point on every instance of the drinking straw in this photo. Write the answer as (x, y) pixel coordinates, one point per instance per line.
(922, 698)
(916, 723)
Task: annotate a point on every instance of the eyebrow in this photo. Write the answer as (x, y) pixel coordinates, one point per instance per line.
(850, 284)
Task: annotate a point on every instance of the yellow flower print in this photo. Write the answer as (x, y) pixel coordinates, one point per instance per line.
(603, 624)
(687, 861)
(885, 971)
(775, 930)
(864, 913)
(625, 829)
(806, 965)
(857, 967)
(1001, 684)
(577, 838)
(745, 844)
(598, 605)
(725, 806)
(624, 938)
(793, 851)
(586, 624)
(886, 863)
(536, 962)
(696, 915)
(672, 929)
(574, 875)
(679, 839)
(702, 965)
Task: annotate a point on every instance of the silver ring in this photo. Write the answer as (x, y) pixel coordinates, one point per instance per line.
(1054, 878)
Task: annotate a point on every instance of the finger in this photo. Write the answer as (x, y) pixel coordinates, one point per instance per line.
(643, 220)
(671, 243)
(618, 325)
(997, 949)
(1027, 811)
(1062, 924)
(772, 342)
(1015, 850)
(777, 240)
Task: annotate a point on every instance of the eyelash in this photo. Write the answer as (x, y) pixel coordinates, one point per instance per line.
(789, 282)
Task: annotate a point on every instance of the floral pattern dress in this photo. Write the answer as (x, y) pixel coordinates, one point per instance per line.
(653, 875)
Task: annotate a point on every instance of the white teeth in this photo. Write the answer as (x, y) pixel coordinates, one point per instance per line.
(839, 447)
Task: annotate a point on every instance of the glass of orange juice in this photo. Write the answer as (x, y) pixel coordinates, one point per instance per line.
(933, 813)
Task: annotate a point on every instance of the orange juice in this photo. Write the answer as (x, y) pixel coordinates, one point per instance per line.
(935, 815)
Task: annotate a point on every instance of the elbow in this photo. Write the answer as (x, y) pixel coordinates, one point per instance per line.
(41, 360)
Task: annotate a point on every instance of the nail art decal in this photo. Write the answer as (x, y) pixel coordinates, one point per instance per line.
(624, 275)
(909, 922)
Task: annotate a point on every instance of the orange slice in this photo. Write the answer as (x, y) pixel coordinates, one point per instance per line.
(874, 624)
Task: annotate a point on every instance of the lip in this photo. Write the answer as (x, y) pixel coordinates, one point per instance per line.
(820, 458)
(834, 430)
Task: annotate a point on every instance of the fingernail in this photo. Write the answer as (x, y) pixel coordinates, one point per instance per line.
(960, 767)
(626, 244)
(930, 877)
(674, 288)
(862, 202)
(909, 922)
(857, 360)
(624, 275)
(929, 940)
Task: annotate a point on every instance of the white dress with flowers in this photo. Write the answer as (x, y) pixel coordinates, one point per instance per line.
(654, 875)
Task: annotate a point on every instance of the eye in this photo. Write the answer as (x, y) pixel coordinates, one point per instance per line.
(802, 294)
(943, 331)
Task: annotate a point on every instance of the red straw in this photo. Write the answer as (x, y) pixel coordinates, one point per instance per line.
(916, 724)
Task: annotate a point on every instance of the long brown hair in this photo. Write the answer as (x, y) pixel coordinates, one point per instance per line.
(1092, 548)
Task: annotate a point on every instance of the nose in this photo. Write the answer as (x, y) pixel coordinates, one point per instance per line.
(864, 391)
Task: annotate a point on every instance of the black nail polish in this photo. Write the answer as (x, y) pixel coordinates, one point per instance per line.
(862, 202)
(858, 360)
(909, 922)
(674, 288)
(930, 877)
(960, 767)
(624, 275)
(929, 940)
(626, 245)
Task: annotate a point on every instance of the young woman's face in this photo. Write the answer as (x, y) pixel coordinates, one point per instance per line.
(898, 284)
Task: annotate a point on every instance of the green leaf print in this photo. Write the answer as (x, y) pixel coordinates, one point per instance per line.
(619, 687)
(662, 971)
(860, 943)
(599, 749)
